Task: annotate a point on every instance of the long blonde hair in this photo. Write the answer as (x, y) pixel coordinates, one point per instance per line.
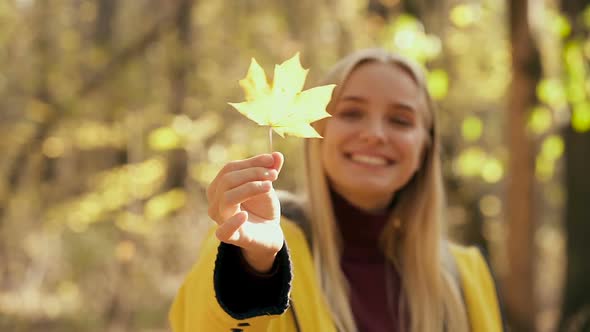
(413, 236)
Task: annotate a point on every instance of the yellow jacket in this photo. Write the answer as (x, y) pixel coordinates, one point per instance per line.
(196, 308)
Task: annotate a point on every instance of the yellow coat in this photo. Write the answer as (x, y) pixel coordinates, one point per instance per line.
(195, 307)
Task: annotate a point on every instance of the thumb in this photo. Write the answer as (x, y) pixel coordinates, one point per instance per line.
(278, 161)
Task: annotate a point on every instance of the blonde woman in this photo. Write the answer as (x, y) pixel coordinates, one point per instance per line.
(365, 249)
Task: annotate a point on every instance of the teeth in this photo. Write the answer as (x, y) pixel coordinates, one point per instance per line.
(371, 160)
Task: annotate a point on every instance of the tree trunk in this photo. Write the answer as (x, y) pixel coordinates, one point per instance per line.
(24, 161)
(103, 33)
(576, 300)
(519, 283)
(575, 310)
(178, 80)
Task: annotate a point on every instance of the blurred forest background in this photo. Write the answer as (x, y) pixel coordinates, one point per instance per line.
(114, 118)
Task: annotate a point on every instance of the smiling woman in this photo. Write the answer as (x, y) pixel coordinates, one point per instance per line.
(365, 249)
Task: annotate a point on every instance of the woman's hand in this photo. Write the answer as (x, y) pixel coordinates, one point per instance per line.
(244, 204)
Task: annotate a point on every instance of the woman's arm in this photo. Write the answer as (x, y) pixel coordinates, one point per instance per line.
(221, 293)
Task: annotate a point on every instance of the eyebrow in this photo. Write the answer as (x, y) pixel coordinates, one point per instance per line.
(396, 105)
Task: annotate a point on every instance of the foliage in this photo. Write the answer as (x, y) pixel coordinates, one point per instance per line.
(283, 106)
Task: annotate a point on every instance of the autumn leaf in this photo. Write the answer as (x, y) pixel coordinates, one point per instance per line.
(282, 105)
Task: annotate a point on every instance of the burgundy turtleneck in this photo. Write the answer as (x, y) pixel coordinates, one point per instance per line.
(374, 283)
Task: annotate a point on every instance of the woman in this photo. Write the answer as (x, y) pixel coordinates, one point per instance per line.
(373, 256)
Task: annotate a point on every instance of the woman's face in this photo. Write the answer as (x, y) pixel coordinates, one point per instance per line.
(373, 142)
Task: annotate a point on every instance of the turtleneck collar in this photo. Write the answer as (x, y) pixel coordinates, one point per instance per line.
(360, 230)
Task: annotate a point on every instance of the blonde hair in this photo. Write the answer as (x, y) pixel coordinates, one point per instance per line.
(412, 238)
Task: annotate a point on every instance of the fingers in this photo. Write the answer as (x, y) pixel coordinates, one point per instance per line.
(263, 160)
(228, 231)
(236, 187)
(244, 192)
(229, 202)
(238, 181)
(234, 179)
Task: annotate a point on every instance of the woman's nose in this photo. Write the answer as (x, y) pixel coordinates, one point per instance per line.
(374, 130)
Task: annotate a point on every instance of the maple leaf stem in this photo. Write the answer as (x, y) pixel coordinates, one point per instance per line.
(270, 137)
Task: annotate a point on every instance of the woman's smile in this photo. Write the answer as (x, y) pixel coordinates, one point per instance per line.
(371, 160)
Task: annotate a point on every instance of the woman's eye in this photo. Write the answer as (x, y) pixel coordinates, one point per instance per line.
(350, 114)
(400, 121)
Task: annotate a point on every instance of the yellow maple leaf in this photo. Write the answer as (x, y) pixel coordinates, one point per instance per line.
(282, 105)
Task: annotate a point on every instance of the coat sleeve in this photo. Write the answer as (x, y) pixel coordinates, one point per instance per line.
(218, 293)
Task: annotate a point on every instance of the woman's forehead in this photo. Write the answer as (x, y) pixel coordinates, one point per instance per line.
(378, 78)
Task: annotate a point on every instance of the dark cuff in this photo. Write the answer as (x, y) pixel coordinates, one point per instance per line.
(244, 293)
